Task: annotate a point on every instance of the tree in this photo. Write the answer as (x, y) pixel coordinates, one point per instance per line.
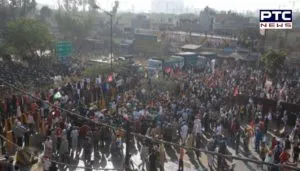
(26, 37)
(247, 37)
(273, 60)
(45, 13)
(74, 5)
(75, 26)
(23, 7)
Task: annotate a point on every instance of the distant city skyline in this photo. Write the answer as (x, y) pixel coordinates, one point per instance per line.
(194, 5)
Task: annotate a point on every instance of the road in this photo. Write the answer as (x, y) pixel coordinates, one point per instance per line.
(111, 160)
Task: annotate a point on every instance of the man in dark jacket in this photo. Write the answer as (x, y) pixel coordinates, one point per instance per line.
(153, 159)
(19, 132)
(87, 147)
(96, 138)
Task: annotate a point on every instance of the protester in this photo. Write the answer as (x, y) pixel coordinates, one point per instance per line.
(180, 164)
(64, 150)
(162, 156)
(153, 159)
(296, 152)
(204, 101)
(74, 140)
(144, 155)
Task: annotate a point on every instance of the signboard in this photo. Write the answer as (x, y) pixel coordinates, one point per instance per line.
(63, 50)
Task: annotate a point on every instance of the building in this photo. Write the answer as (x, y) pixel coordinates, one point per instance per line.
(140, 22)
(164, 24)
(191, 48)
(190, 23)
(167, 6)
(147, 42)
(206, 21)
(279, 39)
(293, 36)
(228, 23)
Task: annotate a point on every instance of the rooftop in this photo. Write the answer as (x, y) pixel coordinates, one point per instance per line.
(186, 53)
(207, 53)
(191, 46)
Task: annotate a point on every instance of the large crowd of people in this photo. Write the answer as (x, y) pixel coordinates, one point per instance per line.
(24, 75)
(204, 104)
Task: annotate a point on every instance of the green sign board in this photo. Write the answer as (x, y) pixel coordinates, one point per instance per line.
(63, 49)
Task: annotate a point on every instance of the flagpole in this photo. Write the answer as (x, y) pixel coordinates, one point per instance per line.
(102, 96)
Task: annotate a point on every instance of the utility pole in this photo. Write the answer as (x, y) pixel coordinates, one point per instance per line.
(111, 15)
(111, 42)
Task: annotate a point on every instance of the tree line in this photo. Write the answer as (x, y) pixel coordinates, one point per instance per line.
(28, 32)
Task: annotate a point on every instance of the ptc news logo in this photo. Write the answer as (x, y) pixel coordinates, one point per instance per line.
(275, 19)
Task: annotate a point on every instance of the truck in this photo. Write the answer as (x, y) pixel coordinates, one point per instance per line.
(190, 58)
(156, 65)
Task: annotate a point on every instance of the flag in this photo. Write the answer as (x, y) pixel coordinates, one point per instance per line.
(98, 80)
(57, 95)
(168, 69)
(236, 91)
(126, 117)
(110, 78)
(209, 79)
(268, 83)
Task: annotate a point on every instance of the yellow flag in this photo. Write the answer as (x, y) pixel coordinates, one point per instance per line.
(9, 137)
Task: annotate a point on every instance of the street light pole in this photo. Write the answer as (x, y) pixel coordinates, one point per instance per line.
(111, 42)
(111, 33)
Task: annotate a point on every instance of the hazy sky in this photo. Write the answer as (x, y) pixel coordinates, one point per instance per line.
(237, 5)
